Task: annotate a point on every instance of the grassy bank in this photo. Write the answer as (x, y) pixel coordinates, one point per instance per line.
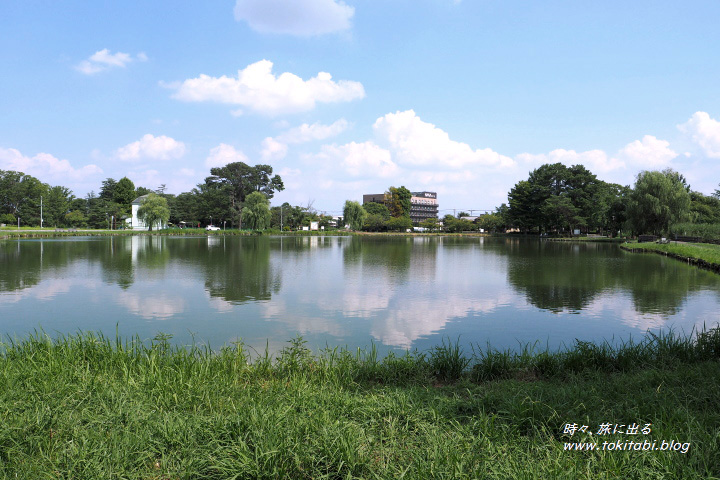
(89, 407)
(51, 233)
(701, 254)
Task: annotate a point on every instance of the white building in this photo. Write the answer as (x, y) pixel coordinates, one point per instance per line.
(135, 223)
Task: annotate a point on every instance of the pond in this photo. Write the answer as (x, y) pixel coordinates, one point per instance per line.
(396, 292)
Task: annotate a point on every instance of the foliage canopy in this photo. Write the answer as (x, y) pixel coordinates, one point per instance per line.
(154, 210)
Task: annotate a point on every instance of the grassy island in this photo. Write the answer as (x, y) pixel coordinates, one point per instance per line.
(88, 407)
(705, 255)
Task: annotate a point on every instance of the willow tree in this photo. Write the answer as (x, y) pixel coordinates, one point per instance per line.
(354, 214)
(658, 200)
(154, 210)
(256, 212)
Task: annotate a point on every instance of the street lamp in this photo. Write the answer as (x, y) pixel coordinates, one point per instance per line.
(210, 219)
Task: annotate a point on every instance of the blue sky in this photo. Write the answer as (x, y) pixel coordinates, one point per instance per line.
(345, 98)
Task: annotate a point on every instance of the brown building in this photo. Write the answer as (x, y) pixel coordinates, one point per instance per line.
(423, 205)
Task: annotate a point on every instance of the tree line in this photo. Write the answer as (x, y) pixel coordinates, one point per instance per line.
(556, 199)
(236, 195)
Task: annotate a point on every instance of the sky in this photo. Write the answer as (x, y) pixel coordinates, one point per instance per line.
(346, 97)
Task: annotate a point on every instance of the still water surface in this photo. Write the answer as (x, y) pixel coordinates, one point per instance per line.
(398, 292)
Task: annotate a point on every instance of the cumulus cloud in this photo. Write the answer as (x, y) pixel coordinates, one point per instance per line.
(258, 89)
(297, 17)
(416, 142)
(273, 150)
(705, 131)
(648, 152)
(103, 60)
(597, 161)
(276, 148)
(224, 154)
(364, 159)
(44, 166)
(151, 147)
(316, 131)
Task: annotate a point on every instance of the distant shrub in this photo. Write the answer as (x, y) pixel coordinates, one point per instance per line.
(708, 232)
(8, 218)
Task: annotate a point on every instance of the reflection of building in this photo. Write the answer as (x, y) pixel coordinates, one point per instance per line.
(423, 205)
(134, 222)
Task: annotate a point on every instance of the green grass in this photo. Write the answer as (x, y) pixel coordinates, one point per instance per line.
(697, 252)
(89, 407)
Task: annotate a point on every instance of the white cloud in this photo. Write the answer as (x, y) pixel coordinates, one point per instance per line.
(186, 172)
(296, 17)
(648, 152)
(597, 161)
(273, 150)
(104, 60)
(705, 131)
(316, 131)
(151, 147)
(359, 159)
(161, 306)
(276, 148)
(44, 166)
(415, 142)
(259, 90)
(224, 154)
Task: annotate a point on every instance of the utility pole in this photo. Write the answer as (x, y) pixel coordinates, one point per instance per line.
(41, 219)
(281, 219)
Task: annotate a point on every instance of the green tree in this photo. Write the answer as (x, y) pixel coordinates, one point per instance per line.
(453, 224)
(374, 223)
(186, 209)
(399, 224)
(374, 208)
(658, 200)
(290, 216)
(523, 212)
(213, 201)
(431, 224)
(154, 211)
(490, 222)
(75, 219)
(8, 218)
(704, 208)
(256, 213)
(124, 192)
(397, 201)
(140, 191)
(107, 191)
(20, 196)
(57, 205)
(560, 212)
(354, 214)
(242, 180)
